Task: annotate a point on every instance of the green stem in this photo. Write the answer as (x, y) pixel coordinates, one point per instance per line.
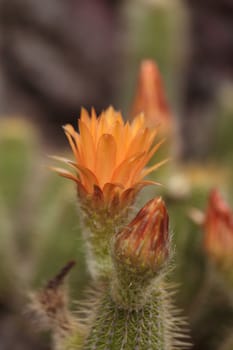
(99, 228)
(146, 328)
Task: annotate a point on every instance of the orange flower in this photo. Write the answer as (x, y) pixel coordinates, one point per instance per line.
(218, 240)
(150, 97)
(110, 158)
(145, 242)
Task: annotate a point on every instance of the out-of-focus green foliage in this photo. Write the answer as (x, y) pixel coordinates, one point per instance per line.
(39, 225)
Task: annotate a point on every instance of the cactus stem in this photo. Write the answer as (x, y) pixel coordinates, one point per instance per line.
(149, 338)
(111, 330)
(125, 336)
(139, 328)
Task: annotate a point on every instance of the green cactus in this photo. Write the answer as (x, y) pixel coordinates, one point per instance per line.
(32, 216)
(128, 260)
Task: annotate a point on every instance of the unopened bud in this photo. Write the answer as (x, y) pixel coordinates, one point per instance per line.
(144, 243)
(218, 227)
(150, 97)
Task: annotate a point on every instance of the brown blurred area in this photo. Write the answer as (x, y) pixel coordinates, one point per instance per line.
(209, 63)
(56, 56)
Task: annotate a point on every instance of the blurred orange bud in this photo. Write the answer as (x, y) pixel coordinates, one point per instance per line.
(150, 97)
(144, 243)
(218, 226)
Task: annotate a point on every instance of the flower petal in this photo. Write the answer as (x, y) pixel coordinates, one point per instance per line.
(87, 146)
(109, 190)
(105, 158)
(65, 160)
(87, 178)
(137, 173)
(84, 117)
(122, 173)
(73, 137)
(147, 171)
(154, 149)
(138, 143)
(138, 123)
(65, 173)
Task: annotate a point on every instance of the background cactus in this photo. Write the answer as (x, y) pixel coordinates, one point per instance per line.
(35, 205)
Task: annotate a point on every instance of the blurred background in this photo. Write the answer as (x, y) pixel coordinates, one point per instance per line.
(58, 56)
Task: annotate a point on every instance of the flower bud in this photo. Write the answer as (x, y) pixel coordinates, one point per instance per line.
(218, 227)
(144, 244)
(150, 97)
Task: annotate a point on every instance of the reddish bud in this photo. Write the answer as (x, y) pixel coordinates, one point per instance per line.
(218, 226)
(150, 97)
(144, 243)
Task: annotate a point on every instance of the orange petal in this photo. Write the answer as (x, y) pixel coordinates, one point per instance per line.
(105, 158)
(118, 118)
(69, 131)
(138, 122)
(65, 160)
(137, 174)
(122, 173)
(88, 148)
(94, 123)
(147, 171)
(85, 118)
(109, 190)
(118, 134)
(140, 185)
(72, 137)
(100, 127)
(110, 117)
(123, 142)
(87, 177)
(138, 143)
(154, 149)
(65, 173)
